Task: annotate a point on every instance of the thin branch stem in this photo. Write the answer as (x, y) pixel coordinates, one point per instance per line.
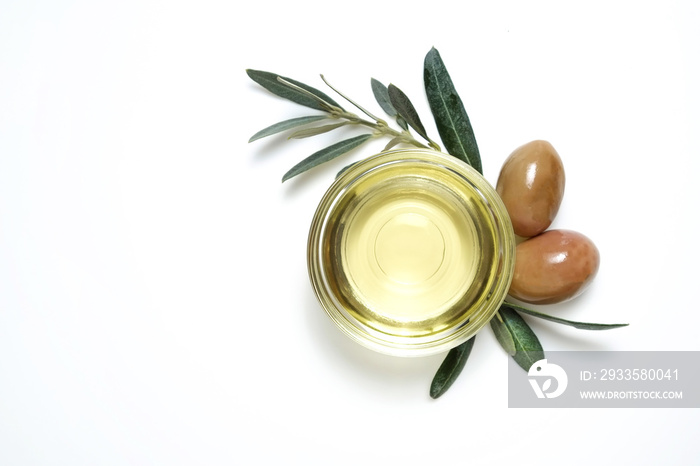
(434, 145)
(498, 315)
(380, 126)
(363, 110)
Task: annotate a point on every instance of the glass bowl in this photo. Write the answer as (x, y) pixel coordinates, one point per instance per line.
(411, 252)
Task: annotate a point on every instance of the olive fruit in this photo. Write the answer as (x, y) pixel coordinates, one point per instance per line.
(554, 266)
(531, 185)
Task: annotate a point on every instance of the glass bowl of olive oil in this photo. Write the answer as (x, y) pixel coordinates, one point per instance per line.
(411, 252)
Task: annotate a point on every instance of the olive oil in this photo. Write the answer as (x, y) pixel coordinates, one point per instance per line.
(408, 251)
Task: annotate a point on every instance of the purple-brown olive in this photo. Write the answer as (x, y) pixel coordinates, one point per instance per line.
(554, 266)
(531, 185)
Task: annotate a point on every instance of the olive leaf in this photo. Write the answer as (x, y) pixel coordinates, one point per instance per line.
(528, 349)
(451, 118)
(406, 110)
(559, 320)
(503, 334)
(381, 93)
(450, 368)
(395, 141)
(271, 82)
(401, 122)
(316, 130)
(285, 125)
(324, 155)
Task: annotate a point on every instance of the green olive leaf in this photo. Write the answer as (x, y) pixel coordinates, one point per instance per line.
(406, 110)
(285, 125)
(271, 82)
(325, 155)
(503, 335)
(401, 122)
(528, 349)
(316, 130)
(451, 118)
(381, 93)
(579, 325)
(450, 368)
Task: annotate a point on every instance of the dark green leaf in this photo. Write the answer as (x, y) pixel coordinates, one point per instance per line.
(381, 93)
(406, 110)
(503, 334)
(450, 368)
(579, 325)
(448, 110)
(528, 349)
(285, 125)
(270, 82)
(324, 155)
(316, 130)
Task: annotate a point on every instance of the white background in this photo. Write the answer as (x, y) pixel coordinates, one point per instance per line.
(154, 302)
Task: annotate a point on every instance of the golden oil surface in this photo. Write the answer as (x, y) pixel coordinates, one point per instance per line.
(405, 247)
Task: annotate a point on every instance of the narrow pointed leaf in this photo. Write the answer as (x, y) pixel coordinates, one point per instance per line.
(528, 349)
(324, 155)
(381, 93)
(269, 81)
(401, 122)
(451, 118)
(395, 141)
(503, 335)
(316, 130)
(405, 108)
(579, 325)
(450, 368)
(285, 125)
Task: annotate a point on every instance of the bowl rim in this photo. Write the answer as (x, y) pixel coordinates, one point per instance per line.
(432, 343)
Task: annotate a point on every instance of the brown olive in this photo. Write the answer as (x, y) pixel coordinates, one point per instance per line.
(554, 266)
(531, 185)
